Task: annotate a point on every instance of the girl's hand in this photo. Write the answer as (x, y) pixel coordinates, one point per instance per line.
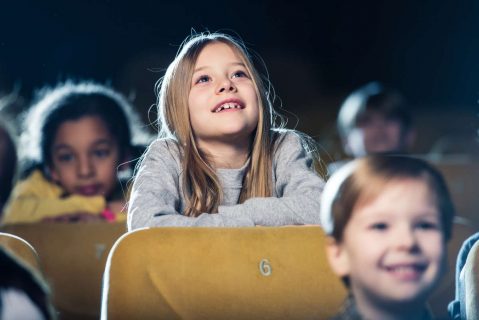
(75, 217)
(117, 206)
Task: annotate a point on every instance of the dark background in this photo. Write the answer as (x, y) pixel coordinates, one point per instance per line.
(315, 51)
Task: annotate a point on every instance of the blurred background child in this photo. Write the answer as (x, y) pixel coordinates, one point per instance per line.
(23, 294)
(374, 119)
(8, 144)
(77, 138)
(388, 219)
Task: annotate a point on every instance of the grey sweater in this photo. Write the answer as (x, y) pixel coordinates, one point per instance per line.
(157, 198)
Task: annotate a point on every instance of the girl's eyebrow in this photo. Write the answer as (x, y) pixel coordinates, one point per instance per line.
(60, 147)
(229, 64)
(102, 141)
(96, 143)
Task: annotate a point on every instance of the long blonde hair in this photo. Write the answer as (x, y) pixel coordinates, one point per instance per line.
(202, 191)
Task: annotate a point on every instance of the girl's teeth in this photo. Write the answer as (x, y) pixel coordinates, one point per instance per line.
(227, 106)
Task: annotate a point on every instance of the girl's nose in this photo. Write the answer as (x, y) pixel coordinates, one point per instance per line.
(226, 86)
(85, 168)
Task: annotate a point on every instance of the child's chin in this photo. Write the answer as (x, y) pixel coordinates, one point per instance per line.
(407, 297)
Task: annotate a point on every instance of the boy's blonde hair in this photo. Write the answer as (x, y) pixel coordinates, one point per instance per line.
(363, 179)
(202, 187)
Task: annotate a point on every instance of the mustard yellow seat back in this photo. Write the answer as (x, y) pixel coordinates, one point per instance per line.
(469, 284)
(20, 248)
(221, 273)
(445, 292)
(72, 258)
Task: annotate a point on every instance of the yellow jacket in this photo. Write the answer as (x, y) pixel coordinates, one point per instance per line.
(36, 198)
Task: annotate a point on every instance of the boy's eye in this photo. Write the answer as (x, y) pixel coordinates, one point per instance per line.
(427, 225)
(378, 226)
(202, 79)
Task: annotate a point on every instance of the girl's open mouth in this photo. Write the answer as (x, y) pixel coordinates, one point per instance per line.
(230, 104)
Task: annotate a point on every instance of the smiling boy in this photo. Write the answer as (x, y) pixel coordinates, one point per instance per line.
(388, 219)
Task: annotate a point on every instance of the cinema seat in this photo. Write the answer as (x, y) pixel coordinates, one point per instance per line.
(72, 258)
(21, 249)
(462, 229)
(221, 273)
(461, 176)
(469, 285)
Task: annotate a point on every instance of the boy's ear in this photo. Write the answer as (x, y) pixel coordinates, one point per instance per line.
(338, 257)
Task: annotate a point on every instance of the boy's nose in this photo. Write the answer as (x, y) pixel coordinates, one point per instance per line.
(406, 239)
(226, 86)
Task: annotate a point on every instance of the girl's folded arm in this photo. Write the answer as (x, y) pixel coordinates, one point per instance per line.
(155, 198)
(298, 190)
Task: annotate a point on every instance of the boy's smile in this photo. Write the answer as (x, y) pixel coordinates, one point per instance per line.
(406, 271)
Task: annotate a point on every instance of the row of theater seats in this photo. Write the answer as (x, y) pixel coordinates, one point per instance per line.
(461, 173)
(195, 273)
(72, 259)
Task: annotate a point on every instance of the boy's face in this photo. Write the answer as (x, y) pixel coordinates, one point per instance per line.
(376, 133)
(85, 157)
(393, 247)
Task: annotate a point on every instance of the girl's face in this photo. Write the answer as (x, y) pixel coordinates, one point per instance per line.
(223, 104)
(393, 247)
(85, 157)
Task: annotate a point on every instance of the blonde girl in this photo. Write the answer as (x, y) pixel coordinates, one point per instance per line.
(219, 160)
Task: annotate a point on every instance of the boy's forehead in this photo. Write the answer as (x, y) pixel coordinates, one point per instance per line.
(370, 114)
(389, 196)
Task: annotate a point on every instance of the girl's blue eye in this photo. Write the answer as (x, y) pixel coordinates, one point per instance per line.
(202, 79)
(378, 226)
(239, 74)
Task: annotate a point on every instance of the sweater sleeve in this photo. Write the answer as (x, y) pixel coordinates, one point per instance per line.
(298, 189)
(156, 194)
(35, 199)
